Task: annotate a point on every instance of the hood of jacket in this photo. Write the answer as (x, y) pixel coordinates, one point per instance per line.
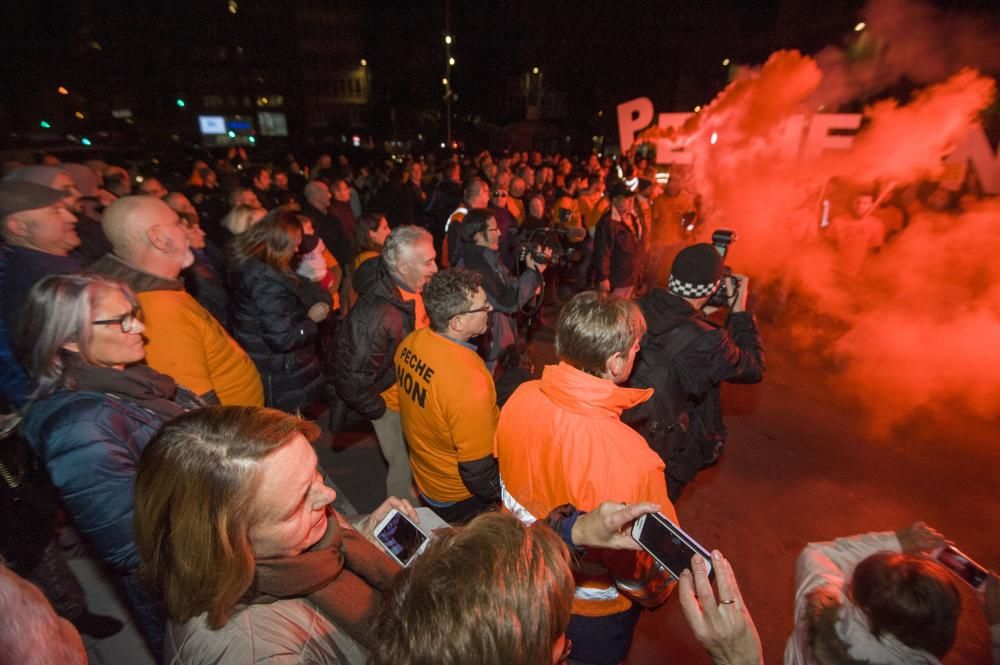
(373, 278)
(665, 311)
(586, 394)
(139, 281)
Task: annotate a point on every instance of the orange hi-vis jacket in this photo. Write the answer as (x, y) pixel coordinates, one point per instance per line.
(561, 440)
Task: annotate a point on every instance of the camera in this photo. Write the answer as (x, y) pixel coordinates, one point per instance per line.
(730, 284)
(556, 238)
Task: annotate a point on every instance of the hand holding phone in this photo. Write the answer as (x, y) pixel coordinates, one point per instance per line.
(400, 537)
(669, 544)
(963, 566)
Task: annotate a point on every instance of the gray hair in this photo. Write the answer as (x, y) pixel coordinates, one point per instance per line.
(448, 294)
(57, 312)
(400, 243)
(240, 218)
(594, 326)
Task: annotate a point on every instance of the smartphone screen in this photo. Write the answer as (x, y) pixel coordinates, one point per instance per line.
(401, 537)
(963, 566)
(669, 545)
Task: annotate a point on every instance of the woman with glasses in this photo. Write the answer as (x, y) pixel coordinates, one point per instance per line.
(94, 408)
(504, 292)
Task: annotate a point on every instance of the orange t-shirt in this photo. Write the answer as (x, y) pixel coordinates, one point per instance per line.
(420, 320)
(448, 406)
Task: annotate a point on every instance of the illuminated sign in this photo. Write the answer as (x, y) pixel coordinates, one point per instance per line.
(212, 124)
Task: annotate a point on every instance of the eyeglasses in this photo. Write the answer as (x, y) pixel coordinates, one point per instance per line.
(485, 308)
(127, 322)
(500, 193)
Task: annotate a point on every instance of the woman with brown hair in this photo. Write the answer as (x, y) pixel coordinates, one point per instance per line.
(492, 592)
(373, 229)
(275, 313)
(237, 536)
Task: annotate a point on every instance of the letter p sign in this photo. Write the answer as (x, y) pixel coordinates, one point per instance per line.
(633, 116)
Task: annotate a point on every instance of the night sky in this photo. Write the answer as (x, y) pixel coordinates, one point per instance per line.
(594, 55)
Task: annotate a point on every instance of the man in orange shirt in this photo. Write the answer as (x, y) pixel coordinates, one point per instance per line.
(447, 400)
(560, 440)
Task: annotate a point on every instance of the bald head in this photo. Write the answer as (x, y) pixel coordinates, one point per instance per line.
(147, 234)
(127, 220)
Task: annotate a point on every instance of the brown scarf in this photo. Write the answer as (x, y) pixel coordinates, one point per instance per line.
(343, 574)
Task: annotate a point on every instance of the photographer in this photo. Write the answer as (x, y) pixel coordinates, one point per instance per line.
(480, 236)
(685, 357)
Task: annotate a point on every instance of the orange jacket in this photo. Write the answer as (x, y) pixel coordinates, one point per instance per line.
(560, 440)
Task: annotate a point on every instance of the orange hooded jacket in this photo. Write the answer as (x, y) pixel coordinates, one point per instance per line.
(560, 440)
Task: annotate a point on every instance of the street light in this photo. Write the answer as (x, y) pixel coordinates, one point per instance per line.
(451, 62)
(725, 63)
(444, 81)
(447, 39)
(79, 115)
(860, 26)
(534, 70)
(62, 90)
(364, 63)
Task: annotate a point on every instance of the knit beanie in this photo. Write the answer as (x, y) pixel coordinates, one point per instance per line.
(696, 272)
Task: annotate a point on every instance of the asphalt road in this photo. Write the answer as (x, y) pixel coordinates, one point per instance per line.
(798, 468)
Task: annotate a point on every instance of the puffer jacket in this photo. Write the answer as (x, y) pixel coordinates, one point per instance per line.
(367, 340)
(271, 321)
(90, 444)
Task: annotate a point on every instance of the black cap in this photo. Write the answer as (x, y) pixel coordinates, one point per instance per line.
(621, 189)
(696, 272)
(18, 196)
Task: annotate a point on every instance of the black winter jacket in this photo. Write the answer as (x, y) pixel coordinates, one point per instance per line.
(367, 340)
(684, 357)
(506, 293)
(203, 280)
(270, 320)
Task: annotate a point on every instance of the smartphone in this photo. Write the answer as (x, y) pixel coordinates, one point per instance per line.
(400, 537)
(668, 544)
(963, 566)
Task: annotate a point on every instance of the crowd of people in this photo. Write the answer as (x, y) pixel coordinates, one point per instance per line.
(170, 350)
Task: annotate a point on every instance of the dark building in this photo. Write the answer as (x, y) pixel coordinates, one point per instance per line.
(145, 72)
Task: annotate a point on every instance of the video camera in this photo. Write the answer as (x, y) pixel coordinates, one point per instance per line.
(731, 284)
(558, 238)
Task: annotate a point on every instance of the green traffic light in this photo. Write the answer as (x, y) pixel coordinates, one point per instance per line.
(45, 125)
(180, 103)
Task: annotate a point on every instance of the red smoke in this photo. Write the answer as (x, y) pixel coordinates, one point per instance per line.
(916, 325)
(905, 39)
